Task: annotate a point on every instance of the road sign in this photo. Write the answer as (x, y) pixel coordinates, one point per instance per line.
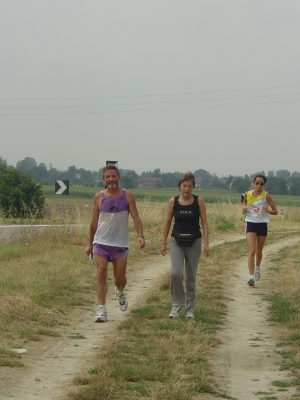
(62, 187)
(112, 162)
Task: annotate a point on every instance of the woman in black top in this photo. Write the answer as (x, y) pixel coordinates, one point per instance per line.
(185, 244)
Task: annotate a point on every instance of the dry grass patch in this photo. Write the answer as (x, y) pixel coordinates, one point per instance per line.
(41, 280)
(284, 296)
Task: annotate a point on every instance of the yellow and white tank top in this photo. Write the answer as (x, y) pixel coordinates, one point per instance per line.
(255, 212)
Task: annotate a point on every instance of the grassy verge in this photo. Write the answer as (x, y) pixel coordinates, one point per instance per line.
(41, 281)
(284, 298)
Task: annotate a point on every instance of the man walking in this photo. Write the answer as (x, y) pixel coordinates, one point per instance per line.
(109, 237)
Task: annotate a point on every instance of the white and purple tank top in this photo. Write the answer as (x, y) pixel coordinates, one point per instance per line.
(112, 227)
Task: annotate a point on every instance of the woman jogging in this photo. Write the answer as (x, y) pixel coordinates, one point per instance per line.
(256, 204)
(185, 244)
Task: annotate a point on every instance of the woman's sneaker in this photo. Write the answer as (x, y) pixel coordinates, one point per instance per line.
(257, 273)
(122, 301)
(251, 281)
(101, 315)
(189, 314)
(175, 312)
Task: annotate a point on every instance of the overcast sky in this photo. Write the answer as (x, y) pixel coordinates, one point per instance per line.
(175, 85)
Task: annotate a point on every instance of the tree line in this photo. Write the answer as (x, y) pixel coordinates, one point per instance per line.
(279, 182)
(21, 186)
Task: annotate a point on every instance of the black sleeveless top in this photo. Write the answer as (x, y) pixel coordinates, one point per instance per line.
(186, 217)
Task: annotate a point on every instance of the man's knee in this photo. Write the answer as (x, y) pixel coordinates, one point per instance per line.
(101, 275)
(120, 280)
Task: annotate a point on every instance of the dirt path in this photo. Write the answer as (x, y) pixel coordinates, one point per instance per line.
(51, 371)
(246, 363)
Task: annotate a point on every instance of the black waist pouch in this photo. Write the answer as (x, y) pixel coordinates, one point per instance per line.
(185, 239)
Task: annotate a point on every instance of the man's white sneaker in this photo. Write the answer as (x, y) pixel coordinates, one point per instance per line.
(189, 314)
(257, 273)
(251, 281)
(101, 315)
(175, 312)
(122, 301)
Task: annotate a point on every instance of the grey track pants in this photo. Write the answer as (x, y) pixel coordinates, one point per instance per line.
(188, 258)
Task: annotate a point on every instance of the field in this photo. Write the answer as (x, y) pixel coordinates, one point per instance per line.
(46, 279)
(163, 195)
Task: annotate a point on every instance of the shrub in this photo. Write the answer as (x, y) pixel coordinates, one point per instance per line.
(20, 196)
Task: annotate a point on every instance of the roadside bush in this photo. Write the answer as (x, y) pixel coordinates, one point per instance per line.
(20, 196)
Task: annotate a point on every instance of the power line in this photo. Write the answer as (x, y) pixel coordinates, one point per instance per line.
(149, 95)
(153, 103)
(151, 110)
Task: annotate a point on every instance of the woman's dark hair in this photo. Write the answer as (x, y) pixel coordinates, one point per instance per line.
(260, 176)
(186, 176)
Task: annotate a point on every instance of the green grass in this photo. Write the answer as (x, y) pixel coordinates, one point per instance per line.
(285, 310)
(10, 359)
(280, 309)
(77, 335)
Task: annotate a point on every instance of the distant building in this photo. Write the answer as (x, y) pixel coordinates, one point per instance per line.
(198, 181)
(148, 182)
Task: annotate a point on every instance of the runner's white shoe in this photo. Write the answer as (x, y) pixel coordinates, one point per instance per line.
(122, 301)
(251, 281)
(189, 314)
(101, 315)
(257, 273)
(175, 312)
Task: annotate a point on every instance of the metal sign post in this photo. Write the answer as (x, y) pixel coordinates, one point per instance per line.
(62, 188)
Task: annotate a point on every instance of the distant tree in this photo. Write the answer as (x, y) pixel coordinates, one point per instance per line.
(202, 173)
(26, 165)
(130, 172)
(43, 165)
(295, 174)
(216, 183)
(170, 179)
(146, 174)
(271, 173)
(20, 196)
(3, 165)
(276, 185)
(71, 173)
(85, 175)
(240, 184)
(54, 174)
(40, 173)
(295, 186)
(283, 173)
(128, 181)
(151, 174)
(156, 173)
(258, 173)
